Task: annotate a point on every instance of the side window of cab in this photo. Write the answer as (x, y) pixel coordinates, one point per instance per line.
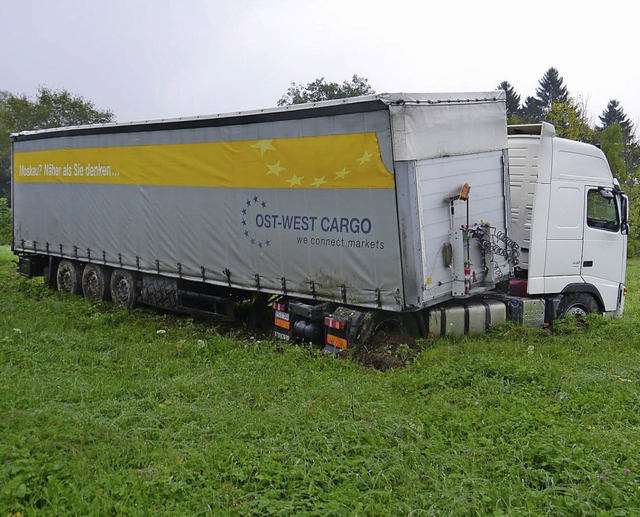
(602, 210)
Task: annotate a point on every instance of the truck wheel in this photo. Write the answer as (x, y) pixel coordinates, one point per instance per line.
(95, 283)
(419, 327)
(123, 289)
(396, 331)
(69, 277)
(577, 305)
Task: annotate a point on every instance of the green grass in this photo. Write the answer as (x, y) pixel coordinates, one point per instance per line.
(104, 411)
(5, 222)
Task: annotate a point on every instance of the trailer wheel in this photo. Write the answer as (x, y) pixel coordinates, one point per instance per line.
(69, 277)
(123, 288)
(95, 283)
(577, 305)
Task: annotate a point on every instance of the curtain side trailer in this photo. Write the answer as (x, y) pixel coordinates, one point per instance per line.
(347, 217)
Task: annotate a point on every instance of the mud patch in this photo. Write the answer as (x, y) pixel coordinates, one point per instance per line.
(387, 350)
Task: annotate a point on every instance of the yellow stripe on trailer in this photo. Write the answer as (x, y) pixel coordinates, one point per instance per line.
(322, 162)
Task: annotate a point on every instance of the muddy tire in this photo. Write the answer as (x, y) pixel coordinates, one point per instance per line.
(392, 344)
(577, 305)
(123, 288)
(95, 283)
(69, 277)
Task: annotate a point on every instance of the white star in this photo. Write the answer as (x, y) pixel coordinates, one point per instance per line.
(295, 180)
(366, 157)
(342, 174)
(263, 146)
(275, 169)
(318, 181)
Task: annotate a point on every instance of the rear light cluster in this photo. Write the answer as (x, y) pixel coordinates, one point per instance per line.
(280, 306)
(317, 323)
(334, 323)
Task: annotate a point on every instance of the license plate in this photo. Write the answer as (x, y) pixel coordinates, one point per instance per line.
(280, 335)
(283, 315)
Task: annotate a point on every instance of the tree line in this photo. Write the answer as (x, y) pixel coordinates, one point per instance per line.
(552, 102)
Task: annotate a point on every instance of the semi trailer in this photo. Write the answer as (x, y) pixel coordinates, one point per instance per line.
(422, 213)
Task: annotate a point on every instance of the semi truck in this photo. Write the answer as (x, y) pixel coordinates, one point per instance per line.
(418, 213)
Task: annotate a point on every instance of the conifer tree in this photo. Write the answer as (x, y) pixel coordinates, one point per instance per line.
(512, 102)
(614, 114)
(551, 89)
(532, 110)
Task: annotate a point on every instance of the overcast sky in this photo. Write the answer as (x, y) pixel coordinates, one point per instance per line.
(150, 59)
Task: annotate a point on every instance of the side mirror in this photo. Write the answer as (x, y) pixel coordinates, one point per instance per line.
(624, 209)
(624, 228)
(606, 194)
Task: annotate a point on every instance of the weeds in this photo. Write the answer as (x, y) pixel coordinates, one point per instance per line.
(106, 411)
(5, 222)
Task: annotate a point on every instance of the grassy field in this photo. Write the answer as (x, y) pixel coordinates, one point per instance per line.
(109, 412)
(5, 222)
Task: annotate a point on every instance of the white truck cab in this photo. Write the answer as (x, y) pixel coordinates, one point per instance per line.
(570, 219)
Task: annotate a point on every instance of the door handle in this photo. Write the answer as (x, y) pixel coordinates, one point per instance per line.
(587, 263)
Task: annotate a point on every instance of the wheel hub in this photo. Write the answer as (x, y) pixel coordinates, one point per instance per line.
(92, 284)
(66, 280)
(576, 312)
(122, 290)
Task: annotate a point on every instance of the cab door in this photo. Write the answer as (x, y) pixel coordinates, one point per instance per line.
(604, 245)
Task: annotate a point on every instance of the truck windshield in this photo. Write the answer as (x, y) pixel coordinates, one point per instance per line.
(602, 210)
